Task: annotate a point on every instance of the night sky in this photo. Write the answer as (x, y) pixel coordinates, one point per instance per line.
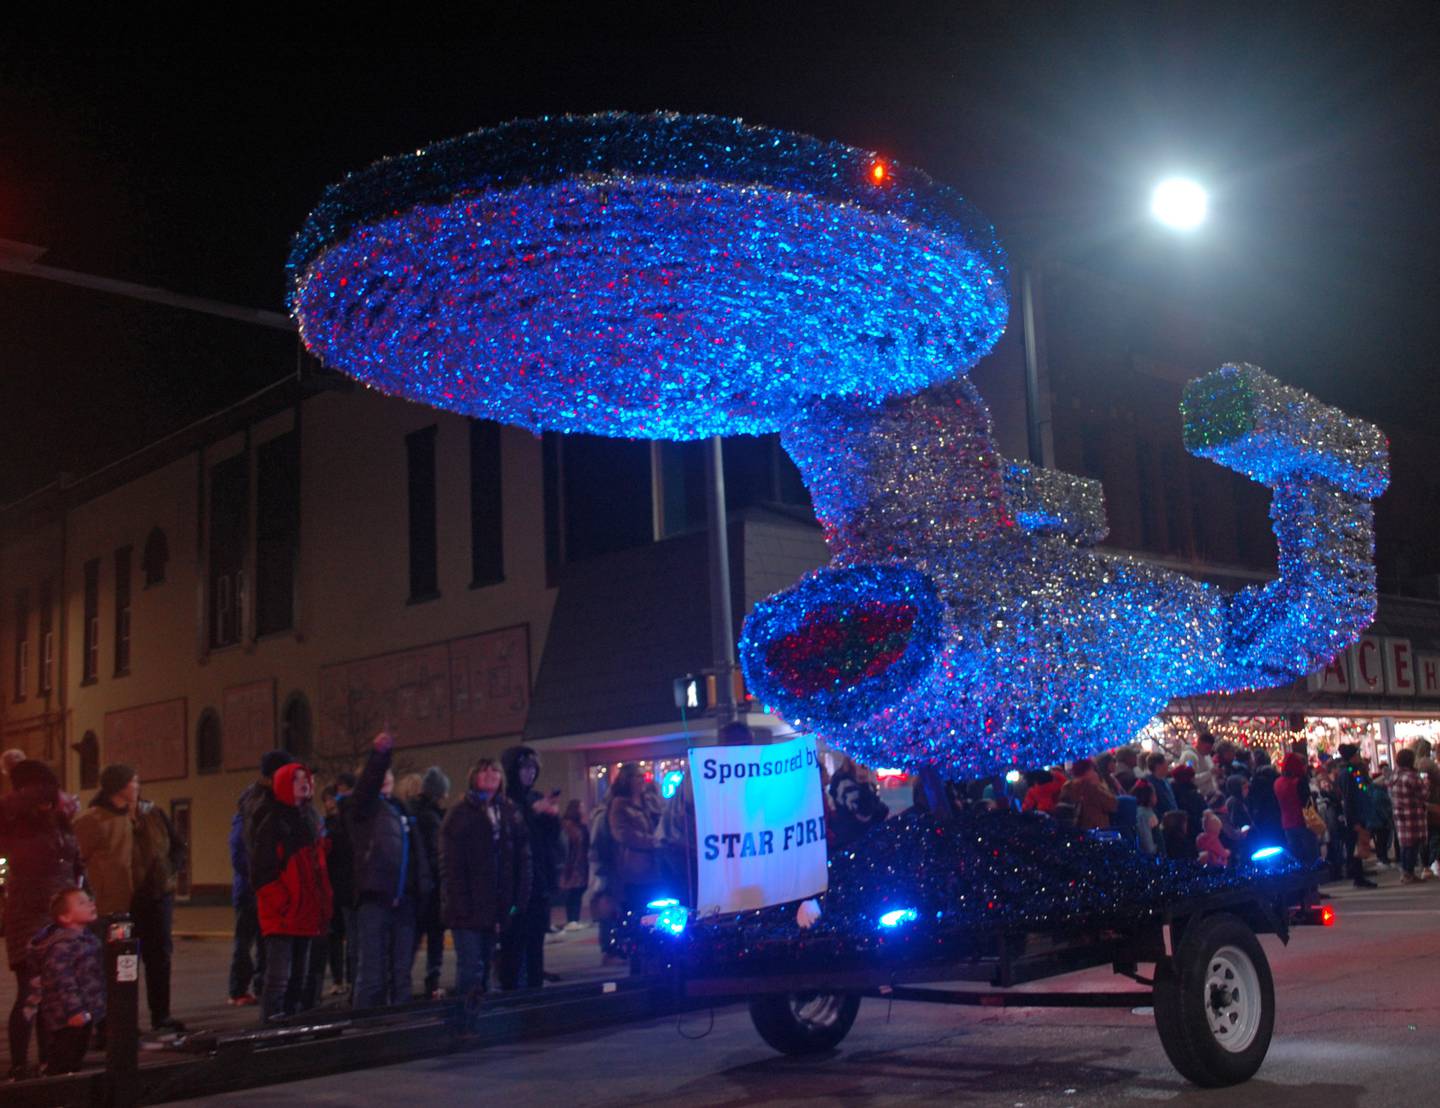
(190, 169)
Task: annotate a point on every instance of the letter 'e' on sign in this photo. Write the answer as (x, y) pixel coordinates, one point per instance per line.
(759, 826)
(1399, 668)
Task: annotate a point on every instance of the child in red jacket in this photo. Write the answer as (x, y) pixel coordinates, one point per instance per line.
(293, 898)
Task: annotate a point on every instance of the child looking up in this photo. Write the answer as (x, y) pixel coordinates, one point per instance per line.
(72, 979)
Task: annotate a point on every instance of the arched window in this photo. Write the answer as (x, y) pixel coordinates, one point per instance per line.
(88, 748)
(295, 732)
(209, 755)
(157, 553)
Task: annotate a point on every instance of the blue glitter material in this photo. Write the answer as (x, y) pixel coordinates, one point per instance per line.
(675, 277)
(654, 276)
(1048, 651)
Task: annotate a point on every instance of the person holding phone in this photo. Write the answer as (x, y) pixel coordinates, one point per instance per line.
(522, 945)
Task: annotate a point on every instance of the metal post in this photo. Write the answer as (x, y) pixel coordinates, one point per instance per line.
(122, 1011)
(1035, 439)
(722, 630)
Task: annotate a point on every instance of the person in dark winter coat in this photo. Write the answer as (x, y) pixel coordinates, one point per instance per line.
(43, 858)
(1267, 829)
(72, 979)
(1350, 783)
(1175, 831)
(392, 878)
(522, 950)
(247, 974)
(858, 809)
(341, 865)
(293, 898)
(485, 874)
(429, 812)
(1187, 797)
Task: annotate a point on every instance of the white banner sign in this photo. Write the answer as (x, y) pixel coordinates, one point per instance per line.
(760, 825)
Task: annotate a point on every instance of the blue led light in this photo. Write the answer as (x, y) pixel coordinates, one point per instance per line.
(1267, 852)
(661, 904)
(670, 783)
(899, 916)
(673, 920)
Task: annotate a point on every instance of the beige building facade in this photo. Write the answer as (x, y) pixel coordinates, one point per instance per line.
(158, 657)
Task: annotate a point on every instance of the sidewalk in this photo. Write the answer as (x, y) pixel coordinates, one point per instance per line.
(201, 969)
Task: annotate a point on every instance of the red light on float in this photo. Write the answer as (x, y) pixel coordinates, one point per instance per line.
(879, 173)
(1327, 916)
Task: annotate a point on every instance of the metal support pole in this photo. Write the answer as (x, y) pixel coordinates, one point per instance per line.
(122, 1012)
(1033, 435)
(722, 630)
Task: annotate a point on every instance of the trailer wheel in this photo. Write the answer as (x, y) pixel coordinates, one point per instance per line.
(1215, 1004)
(804, 1023)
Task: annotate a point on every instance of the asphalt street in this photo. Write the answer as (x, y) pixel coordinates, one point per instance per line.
(1358, 1023)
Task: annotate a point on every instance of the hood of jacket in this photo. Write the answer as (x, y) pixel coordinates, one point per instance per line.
(283, 784)
(50, 935)
(511, 761)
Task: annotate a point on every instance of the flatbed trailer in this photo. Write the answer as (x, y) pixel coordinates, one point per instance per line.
(1210, 985)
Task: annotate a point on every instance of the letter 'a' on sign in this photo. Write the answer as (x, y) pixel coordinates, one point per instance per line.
(759, 826)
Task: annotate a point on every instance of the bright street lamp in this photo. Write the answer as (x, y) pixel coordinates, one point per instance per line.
(1179, 203)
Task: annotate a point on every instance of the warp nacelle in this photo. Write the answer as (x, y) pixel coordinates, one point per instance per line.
(964, 622)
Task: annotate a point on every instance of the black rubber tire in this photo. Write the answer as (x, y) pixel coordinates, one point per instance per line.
(1183, 1001)
(780, 1018)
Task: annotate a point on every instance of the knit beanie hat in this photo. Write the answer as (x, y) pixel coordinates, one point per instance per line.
(436, 784)
(115, 777)
(272, 760)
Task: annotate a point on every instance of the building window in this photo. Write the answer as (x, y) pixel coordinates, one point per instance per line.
(209, 754)
(47, 638)
(598, 498)
(296, 734)
(424, 553)
(88, 750)
(229, 531)
(122, 611)
(487, 554)
(22, 643)
(277, 533)
(157, 553)
(90, 668)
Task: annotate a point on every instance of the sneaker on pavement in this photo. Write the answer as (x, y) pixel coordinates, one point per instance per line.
(574, 925)
(1435, 867)
(243, 1001)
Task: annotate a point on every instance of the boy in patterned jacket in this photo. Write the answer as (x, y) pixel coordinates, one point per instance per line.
(72, 979)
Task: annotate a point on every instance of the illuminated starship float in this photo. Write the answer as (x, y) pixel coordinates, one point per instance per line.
(676, 277)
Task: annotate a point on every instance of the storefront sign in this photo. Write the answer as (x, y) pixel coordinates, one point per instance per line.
(1377, 665)
(1367, 675)
(760, 825)
(1399, 668)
